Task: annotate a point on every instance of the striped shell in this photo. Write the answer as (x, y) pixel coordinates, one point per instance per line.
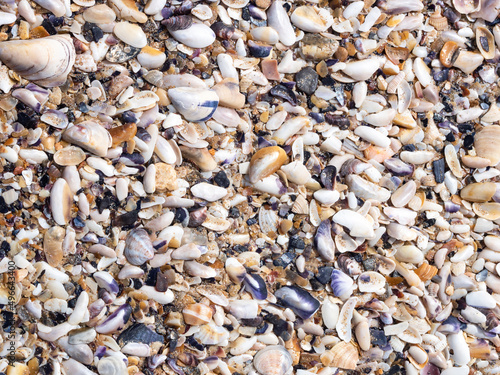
(273, 360)
(138, 247)
(487, 143)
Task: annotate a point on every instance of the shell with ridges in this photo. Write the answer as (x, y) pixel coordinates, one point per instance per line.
(487, 144)
(138, 247)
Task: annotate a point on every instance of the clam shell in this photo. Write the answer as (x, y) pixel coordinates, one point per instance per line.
(371, 282)
(467, 6)
(197, 314)
(89, 135)
(47, 61)
(488, 211)
(194, 104)
(210, 334)
(111, 366)
(70, 155)
(265, 162)
(487, 143)
(273, 360)
(343, 355)
(485, 42)
(138, 247)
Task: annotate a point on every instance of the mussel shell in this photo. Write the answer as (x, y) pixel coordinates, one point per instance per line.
(299, 300)
(328, 176)
(138, 332)
(324, 242)
(273, 360)
(256, 286)
(285, 93)
(341, 284)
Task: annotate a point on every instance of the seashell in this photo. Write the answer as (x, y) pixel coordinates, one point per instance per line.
(342, 284)
(256, 286)
(111, 366)
(268, 220)
(47, 61)
(343, 355)
(90, 136)
(300, 206)
(487, 143)
(426, 271)
(258, 49)
(373, 136)
(437, 20)
(52, 245)
(481, 299)
(151, 58)
(70, 366)
(348, 265)
(55, 118)
(324, 242)
(198, 35)
(366, 189)
(201, 157)
(235, 270)
(383, 118)
(357, 224)
(222, 30)
(467, 6)
(478, 192)
(178, 23)
(208, 192)
(488, 211)
(215, 295)
(194, 104)
(343, 326)
(197, 314)
(138, 247)
(131, 34)
(265, 162)
(70, 155)
(277, 18)
(404, 194)
(449, 53)
(264, 34)
(309, 19)
(485, 42)
(61, 201)
(460, 353)
(273, 360)
(468, 61)
(106, 281)
(196, 269)
(299, 300)
(210, 334)
(371, 282)
(237, 4)
(116, 321)
(127, 10)
(244, 309)
(290, 128)
(361, 70)
(296, 172)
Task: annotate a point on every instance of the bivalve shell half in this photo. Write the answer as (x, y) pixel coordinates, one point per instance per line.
(265, 162)
(487, 143)
(485, 42)
(89, 135)
(194, 104)
(61, 200)
(197, 314)
(371, 282)
(478, 192)
(138, 247)
(273, 360)
(343, 355)
(449, 53)
(467, 6)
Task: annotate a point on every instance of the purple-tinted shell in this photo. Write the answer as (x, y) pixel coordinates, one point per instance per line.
(115, 321)
(324, 242)
(449, 206)
(106, 281)
(398, 167)
(256, 286)
(341, 284)
(450, 325)
(299, 300)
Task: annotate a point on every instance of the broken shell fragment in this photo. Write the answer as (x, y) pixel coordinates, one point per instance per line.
(485, 42)
(265, 162)
(299, 300)
(194, 104)
(89, 135)
(61, 202)
(487, 144)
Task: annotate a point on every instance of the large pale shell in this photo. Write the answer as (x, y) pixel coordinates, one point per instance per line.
(343, 355)
(46, 60)
(138, 247)
(487, 144)
(273, 360)
(467, 6)
(89, 135)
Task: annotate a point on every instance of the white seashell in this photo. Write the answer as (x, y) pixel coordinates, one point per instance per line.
(468, 61)
(165, 151)
(198, 35)
(343, 327)
(276, 120)
(61, 201)
(182, 80)
(401, 232)
(366, 189)
(47, 61)
(409, 254)
(459, 349)
(202, 12)
(194, 104)
(360, 89)
(402, 196)
(111, 366)
(208, 192)
(330, 312)
(310, 19)
(54, 6)
(373, 136)
(210, 334)
(161, 297)
(296, 172)
(277, 18)
(196, 269)
(383, 118)
(481, 299)
(265, 34)
(226, 67)
(361, 70)
(151, 58)
(357, 224)
(469, 114)
(290, 128)
(422, 72)
(138, 247)
(273, 360)
(26, 11)
(89, 135)
(370, 19)
(154, 6)
(353, 9)
(416, 157)
(7, 18)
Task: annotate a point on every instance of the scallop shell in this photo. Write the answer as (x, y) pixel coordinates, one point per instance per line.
(343, 355)
(426, 271)
(47, 61)
(485, 42)
(210, 334)
(138, 247)
(273, 360)
(487, 144)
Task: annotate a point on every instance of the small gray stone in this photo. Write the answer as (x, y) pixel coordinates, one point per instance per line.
(307, 80)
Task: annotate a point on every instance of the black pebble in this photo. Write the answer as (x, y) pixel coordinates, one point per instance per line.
(4, 208)
(307, 80)
(222, 180)
(296, 243)
(284, 260)
(324, 274)
(47, 25)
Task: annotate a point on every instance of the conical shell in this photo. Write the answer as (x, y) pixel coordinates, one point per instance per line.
(273, 360)
(138, 247)
(487, 144)
(46, 60)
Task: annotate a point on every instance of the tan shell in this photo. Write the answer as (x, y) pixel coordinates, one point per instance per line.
(70, 155)
(273, 360)
(488, 211)
(478, 192)
(52, 245)
(485, 42)
(437, 20)
(397, 54)
(89, 135)
(449, 53)
(426, 271)
(343, 355)
(197, 314)
(265, 162)
(487, 144)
